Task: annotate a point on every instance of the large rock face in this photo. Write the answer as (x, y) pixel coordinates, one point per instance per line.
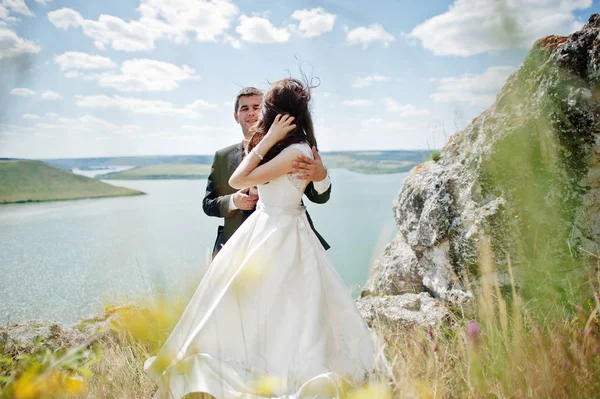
(525, 174)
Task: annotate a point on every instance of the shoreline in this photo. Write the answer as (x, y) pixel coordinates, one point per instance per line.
(199, 177)
(31, 201)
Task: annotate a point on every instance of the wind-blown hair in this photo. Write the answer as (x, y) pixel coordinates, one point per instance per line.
(287, 96)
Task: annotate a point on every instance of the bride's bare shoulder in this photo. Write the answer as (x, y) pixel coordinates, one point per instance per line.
(303, 147)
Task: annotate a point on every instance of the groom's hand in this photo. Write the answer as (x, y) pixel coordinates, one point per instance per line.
(245, 201)
(309, 169)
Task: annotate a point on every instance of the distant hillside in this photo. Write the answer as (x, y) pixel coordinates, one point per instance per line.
(375, 162)
(371, 162)
(98, 163)
(32, 181)
(162, 171)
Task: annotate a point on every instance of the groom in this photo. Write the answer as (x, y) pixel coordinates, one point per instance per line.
(235, 206)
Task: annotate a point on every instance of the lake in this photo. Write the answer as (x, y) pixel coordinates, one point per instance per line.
(62, 261)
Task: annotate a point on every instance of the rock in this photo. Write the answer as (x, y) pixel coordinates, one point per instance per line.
(21, 337)
(524, 175)
(407, 310)
(395, 272)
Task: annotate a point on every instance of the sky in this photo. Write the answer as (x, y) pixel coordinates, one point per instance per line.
(99, 78)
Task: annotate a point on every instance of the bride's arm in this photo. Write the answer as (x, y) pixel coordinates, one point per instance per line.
(248, 173)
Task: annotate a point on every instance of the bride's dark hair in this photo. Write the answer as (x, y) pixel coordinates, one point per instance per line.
(286, 96)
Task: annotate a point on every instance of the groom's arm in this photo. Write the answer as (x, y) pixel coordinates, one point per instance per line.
(315, 195)
(213, 204)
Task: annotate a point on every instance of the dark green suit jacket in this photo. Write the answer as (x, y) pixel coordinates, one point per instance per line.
(218, 194)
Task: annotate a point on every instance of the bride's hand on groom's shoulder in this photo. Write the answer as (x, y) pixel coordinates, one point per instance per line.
(281, 126)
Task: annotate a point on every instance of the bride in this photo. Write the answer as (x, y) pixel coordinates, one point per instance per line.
(271, 317)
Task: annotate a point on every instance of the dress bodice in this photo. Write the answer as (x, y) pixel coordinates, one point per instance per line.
(285, 192)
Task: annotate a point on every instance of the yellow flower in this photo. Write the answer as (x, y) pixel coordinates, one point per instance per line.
(371, 391)
(269, 385)
(27, 386)
(51, 381)
(163, 360)
(249, 276)
(74, 385)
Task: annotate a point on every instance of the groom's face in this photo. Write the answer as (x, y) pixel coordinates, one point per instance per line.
(247, 113)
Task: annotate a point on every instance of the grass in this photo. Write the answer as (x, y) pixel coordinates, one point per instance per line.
(162, 171)
(368, 163)
(32, 181)
(499, 347)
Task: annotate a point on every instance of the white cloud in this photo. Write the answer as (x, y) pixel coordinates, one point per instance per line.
(173, 20)
(30, 116)
(65, 18)
(314, 22)
(357, 103)
(371, 124)
(87, 124)
(22, 92)
(364, 36)
(133, 127)
(235, 43)
(135, 105)
(477, 26)
(44, 125)
(11, 45)
(405, 110)
(4, 134)
(51, 95)
(8, 21)
(203, 129)
(201, 105)
(146, 75)
(51, 115)
(208, 20)
(92, 121)
(73, 60)
(477, 90)
(367, 80)
(134, 75)
(260, 30)
(17, 6)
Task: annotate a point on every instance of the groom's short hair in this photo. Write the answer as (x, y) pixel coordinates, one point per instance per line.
(246, 92)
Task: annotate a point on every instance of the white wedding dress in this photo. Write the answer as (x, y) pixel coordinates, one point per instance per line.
(271, 317)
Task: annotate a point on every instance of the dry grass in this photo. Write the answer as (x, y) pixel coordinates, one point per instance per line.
(503, 350)
(500, 350)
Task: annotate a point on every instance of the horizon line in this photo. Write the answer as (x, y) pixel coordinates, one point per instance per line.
(184, 155)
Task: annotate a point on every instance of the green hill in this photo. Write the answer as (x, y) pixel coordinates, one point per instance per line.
(32, 181)
(191, 166)
(98, 163)
(374, 162)
(367, 162)
(162, 171)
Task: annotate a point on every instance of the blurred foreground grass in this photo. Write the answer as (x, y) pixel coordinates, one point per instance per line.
(498, 348)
